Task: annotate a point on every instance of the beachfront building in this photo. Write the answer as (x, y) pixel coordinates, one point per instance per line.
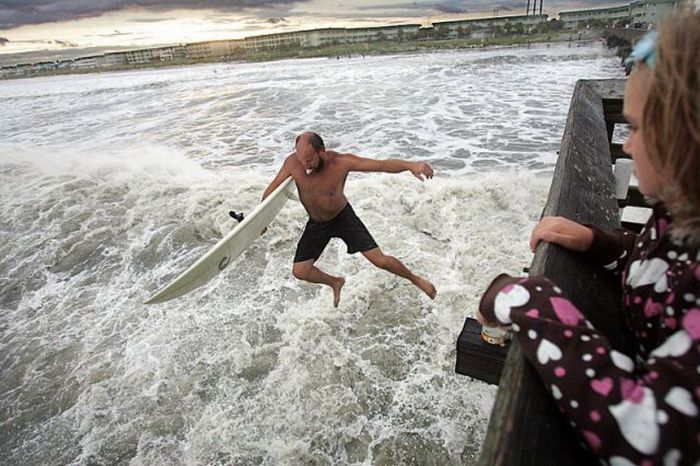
(640, 13)
(329, 36)
(45, 66)
(377, 34)
(616, 15)
(15, 71)
(139, 57)
(28, 69)
(322, 37)
(274, 41)
(108, 60)
(484, 27)
(310, 38)
(651, 12)
(158, 54)
(214, 48)
(84, 63)
(112, 60)
(339, 36)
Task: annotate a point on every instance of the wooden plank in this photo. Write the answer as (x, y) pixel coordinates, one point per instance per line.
(525, 426)
(611, 93)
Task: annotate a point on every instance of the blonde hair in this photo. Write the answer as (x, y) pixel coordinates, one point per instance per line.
(672, 120)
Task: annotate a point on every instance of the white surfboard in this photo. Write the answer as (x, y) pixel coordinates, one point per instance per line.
(229, 248)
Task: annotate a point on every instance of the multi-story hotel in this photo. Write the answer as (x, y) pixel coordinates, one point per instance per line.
(479, 28)
(215, 48)
(640, 12)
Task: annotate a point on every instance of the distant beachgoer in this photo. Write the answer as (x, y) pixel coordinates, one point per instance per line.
(320, 176)
(641, 408)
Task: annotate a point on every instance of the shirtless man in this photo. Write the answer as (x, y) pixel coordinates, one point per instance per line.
(320, 176)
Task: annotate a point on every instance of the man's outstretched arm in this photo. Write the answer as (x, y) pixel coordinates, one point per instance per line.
(420, 170)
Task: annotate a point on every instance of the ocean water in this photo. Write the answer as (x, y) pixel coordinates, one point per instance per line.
(112, 184)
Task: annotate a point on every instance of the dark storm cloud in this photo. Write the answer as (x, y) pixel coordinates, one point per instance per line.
(446, 5)
(15, 13)
(472, 6)
(424, 7)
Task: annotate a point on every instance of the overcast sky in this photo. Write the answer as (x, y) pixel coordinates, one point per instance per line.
(54, 24)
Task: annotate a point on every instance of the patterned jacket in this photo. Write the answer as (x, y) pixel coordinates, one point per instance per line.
(630, 409)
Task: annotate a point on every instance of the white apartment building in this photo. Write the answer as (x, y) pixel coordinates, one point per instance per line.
(478, 28)
(329, 36)
(572, 19)
(320, 37)
(643, 12)
(214, 48)
(404, 31)
(84, 63)
(15, 71)
(140, 57)
(144, 56)
(652, 12)
(110, 60)
(275, 41)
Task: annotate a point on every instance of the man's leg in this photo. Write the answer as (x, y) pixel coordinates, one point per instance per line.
(308, 272)
(395, 266)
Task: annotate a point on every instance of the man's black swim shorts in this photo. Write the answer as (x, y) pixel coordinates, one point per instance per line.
(346, 226)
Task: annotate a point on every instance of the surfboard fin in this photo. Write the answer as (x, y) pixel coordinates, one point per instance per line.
(234, 215)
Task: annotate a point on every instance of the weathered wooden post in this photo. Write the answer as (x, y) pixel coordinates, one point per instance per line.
(525, 426)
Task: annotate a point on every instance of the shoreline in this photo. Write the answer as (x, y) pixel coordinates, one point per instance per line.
(348, 50)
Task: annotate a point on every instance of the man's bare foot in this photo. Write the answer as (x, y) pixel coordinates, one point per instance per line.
(427, 287)
(337, 286)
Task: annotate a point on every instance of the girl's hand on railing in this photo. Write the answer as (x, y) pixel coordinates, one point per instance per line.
(562, 231)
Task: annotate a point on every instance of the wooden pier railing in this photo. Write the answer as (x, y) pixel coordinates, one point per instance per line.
(525, 427)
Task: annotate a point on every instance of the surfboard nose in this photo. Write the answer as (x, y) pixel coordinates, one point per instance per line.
(228, 248)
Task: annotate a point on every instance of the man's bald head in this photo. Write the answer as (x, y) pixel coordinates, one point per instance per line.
(311, 138)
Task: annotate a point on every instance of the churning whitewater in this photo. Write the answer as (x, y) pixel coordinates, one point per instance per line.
(112, 184)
